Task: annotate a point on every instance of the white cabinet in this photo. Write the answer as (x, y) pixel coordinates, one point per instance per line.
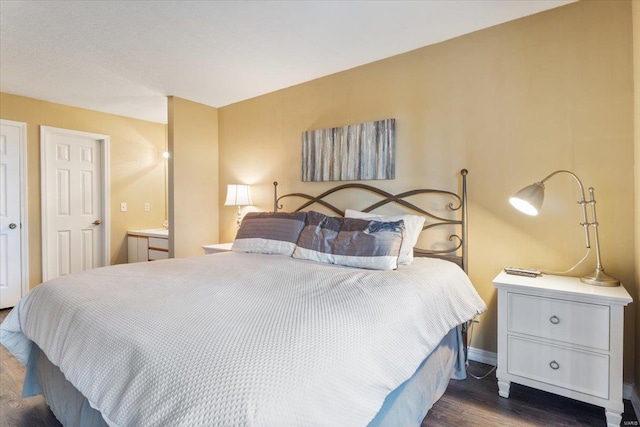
(562, 336)
(158, 248)
(137, 248)
(148, 245)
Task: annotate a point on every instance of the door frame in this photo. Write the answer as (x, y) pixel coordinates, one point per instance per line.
(104, 142)
(24, 213)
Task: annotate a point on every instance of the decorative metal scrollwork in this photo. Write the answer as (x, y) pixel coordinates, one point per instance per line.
(276, 207)
(446, 251)
(458, 204)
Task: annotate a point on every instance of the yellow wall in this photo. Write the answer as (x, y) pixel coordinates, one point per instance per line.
(193, 177)
(137, 171)
(636, 81)
(510, 103)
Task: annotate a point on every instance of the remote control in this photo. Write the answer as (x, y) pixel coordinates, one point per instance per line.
(522, 271)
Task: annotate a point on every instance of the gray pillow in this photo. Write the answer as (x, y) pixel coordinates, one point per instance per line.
(269, 232)
(412, 223)
(352, 242)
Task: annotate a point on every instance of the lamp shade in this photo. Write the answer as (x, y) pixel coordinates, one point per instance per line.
(238, 195)
(529, 199)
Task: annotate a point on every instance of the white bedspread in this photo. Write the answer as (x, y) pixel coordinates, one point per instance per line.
(239, 339)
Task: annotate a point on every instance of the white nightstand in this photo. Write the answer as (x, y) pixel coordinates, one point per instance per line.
(560, 335)
(214, 249)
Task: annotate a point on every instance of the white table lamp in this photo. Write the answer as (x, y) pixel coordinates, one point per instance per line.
(238, 195)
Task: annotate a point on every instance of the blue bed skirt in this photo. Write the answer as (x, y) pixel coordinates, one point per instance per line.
(408, 404)
(405, 406)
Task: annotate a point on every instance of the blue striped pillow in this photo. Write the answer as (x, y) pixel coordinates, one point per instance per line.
(269, 232)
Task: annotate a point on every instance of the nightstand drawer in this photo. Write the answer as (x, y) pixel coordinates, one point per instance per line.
(561, 320)
(572, 369)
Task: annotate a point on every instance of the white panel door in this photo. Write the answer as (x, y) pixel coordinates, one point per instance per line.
(11, 274)
(73, 206)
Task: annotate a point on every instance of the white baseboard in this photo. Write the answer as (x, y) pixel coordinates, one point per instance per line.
(491, 358)
(483, 356)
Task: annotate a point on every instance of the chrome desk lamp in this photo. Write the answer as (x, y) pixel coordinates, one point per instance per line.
(529, 201)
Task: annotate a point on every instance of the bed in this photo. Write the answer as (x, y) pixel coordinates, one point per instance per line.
(258, 337)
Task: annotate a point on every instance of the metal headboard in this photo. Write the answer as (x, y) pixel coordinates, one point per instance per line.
(459, 204)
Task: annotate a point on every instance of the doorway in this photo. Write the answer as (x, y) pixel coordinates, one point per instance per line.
(14, 248)
(75, 201)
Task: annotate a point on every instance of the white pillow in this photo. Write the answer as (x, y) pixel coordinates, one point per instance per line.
(412, 223)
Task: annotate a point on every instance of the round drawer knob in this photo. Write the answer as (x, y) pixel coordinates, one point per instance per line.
(554, 319)
(554, 365)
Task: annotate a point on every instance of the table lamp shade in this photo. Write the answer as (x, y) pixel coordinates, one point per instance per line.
(238, 195)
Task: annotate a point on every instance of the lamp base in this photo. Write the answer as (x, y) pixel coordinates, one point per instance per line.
(600, 278)
(239, 217)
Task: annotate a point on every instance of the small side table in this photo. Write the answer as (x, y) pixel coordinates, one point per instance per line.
(215, 249)
(562, 336)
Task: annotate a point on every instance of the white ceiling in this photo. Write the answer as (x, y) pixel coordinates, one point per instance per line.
(125, 57)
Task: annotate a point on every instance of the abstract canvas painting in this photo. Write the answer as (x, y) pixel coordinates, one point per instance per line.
(350, 153)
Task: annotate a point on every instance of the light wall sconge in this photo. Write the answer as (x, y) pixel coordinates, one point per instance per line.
(238, 195)
(529, 201)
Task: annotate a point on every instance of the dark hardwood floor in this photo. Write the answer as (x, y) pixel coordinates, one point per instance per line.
(14, 410)
(472, 403)
(467, 403)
